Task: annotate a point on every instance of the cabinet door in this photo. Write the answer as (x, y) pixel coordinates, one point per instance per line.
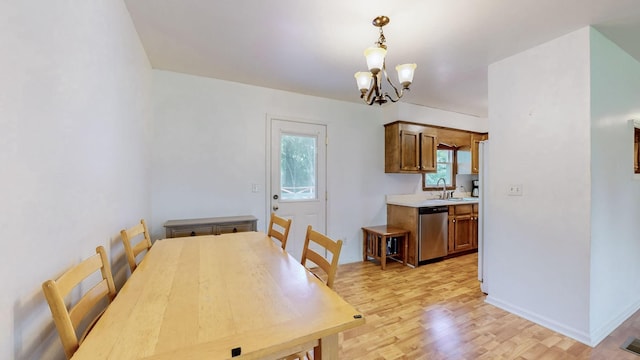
(428, 149)
(409, 150)
(462, 233)
(636, 151)
(474, 226)
(475, 151)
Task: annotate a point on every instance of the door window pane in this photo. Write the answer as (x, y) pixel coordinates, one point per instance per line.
(297, 167)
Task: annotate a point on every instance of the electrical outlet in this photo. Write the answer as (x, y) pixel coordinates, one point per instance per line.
(515, 190)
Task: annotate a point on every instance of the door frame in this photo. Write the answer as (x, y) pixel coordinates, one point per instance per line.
(267, 172)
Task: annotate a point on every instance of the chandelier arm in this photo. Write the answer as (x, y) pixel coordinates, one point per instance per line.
(390, 98)
(369, 99)
(398, 94)
(374, 87)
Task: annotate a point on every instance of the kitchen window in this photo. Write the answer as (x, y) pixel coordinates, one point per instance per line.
(446, 164)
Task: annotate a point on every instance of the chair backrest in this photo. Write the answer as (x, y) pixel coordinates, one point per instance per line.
(66, 319)
(131, 249)
(332, 247)
(279, 229)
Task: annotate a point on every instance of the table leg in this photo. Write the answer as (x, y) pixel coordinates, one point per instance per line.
(327, 349)
(383, 251)
(405, 240)
(364, 244)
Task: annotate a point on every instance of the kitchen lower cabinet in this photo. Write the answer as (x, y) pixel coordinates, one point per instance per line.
(463, 228)
(405, 217)
(474, 226)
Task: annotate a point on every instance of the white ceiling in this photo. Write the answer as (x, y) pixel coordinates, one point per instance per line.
(315, 47)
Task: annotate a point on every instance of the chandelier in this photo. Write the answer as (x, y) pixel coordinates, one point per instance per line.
(370, 82)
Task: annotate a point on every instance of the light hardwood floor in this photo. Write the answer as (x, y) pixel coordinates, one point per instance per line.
(437, 311)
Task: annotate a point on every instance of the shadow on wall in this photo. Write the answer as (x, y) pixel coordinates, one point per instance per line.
(34, 333)
(119, 265)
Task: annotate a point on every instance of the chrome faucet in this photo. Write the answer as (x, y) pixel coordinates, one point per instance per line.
(444, 188)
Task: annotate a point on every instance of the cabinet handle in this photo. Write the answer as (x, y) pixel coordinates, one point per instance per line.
(454, 220)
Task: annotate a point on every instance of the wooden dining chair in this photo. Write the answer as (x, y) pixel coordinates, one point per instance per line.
(328, 265)
(133, 250)
(69, 320)
(279, 229)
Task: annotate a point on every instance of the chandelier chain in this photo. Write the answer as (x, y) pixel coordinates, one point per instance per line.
(382, 40)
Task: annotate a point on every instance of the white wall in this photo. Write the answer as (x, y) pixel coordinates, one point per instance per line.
(209, 147)
(537, 253)
(615, 242)
(74, 130)
(437, 117)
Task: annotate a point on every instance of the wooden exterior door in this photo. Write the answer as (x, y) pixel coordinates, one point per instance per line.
(297, 178)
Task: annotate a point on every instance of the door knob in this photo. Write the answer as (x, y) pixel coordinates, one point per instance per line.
(275, 207)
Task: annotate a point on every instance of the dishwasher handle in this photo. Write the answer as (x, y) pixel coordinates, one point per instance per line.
(433, 210)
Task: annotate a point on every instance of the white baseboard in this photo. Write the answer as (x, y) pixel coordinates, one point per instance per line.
(575, 334)
(599, 334)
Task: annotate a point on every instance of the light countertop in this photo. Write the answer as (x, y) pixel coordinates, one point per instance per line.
(420, 200)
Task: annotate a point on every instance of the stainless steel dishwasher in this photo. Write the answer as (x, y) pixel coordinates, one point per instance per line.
(433, 232)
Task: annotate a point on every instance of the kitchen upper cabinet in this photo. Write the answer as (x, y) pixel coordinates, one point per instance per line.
(636, 150)
(410, 148)
(475, 151)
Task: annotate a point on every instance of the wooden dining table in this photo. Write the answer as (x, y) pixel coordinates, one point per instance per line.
(224, 296)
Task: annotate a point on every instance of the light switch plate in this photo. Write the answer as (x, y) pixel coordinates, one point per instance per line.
(255, 188)
(515, 190)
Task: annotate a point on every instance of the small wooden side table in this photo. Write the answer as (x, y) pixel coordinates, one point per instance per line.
(376, 243)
